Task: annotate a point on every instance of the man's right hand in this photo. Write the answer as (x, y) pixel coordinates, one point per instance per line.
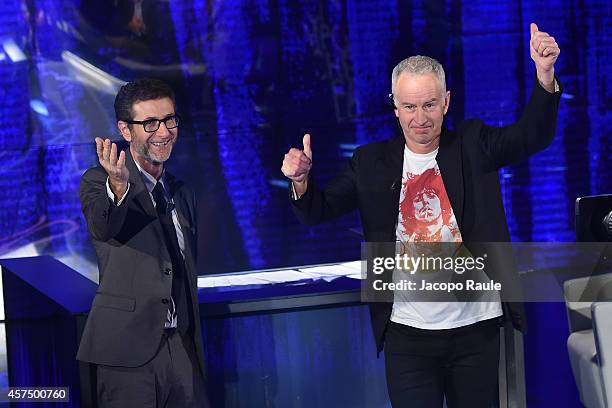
(118, 173)
(297, 164)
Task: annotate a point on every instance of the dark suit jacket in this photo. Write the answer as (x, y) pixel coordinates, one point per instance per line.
(126, 321)
(469, 160)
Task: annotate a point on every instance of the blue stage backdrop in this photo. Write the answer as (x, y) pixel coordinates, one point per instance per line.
(251, 77)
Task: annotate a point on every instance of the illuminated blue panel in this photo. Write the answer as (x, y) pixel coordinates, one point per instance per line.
(237, 121)
(278, 68)
(320, 99)
(20, 173)
(190, 24)
(597, 29)
(551, 202)
(61, 136)
(190, 27)
(372, 28)
(488, 44)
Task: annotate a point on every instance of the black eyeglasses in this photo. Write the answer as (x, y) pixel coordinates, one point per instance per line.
(152, 125)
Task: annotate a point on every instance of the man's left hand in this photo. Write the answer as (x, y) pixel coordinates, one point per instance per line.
(544, 52)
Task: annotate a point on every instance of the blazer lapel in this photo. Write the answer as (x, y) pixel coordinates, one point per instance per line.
(450, 162)
(394, 158)
(141, 194)
(183, 211)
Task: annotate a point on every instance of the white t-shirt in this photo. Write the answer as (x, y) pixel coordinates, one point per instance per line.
(426, 216)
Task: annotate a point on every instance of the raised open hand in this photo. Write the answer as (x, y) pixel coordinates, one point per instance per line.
(118, 173)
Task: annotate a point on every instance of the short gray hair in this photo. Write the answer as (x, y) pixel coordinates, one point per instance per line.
(419, 65)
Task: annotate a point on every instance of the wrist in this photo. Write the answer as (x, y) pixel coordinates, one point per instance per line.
(300, 186)
(118, 188)
(546, 79)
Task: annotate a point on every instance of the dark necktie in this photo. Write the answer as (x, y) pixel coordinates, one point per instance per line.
(180, 288)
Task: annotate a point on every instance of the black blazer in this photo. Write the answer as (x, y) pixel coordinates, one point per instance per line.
(126, 322)
(469, 160)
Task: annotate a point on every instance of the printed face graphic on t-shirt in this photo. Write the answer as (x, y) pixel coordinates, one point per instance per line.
(425, 210)
(426, 205)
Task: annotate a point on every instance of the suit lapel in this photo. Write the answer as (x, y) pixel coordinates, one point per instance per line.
(141, 194)
(394, 158)
(183, 211)
(450, 162)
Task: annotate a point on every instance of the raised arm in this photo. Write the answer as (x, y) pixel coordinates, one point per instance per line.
(103, 192)
(536, 127)
(544, 52)
(311, 205)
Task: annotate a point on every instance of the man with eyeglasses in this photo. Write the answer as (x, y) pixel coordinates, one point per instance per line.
(143, 330)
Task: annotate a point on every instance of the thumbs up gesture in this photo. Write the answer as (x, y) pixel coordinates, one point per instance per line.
(297, 164)
(544, 52)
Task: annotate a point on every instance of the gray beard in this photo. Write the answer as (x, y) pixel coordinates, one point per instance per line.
(146, 154)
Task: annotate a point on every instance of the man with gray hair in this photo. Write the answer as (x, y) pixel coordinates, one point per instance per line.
(419, 64)
(436, 350)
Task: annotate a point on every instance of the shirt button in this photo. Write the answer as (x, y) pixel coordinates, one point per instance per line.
(168, 271)
(165, 301)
